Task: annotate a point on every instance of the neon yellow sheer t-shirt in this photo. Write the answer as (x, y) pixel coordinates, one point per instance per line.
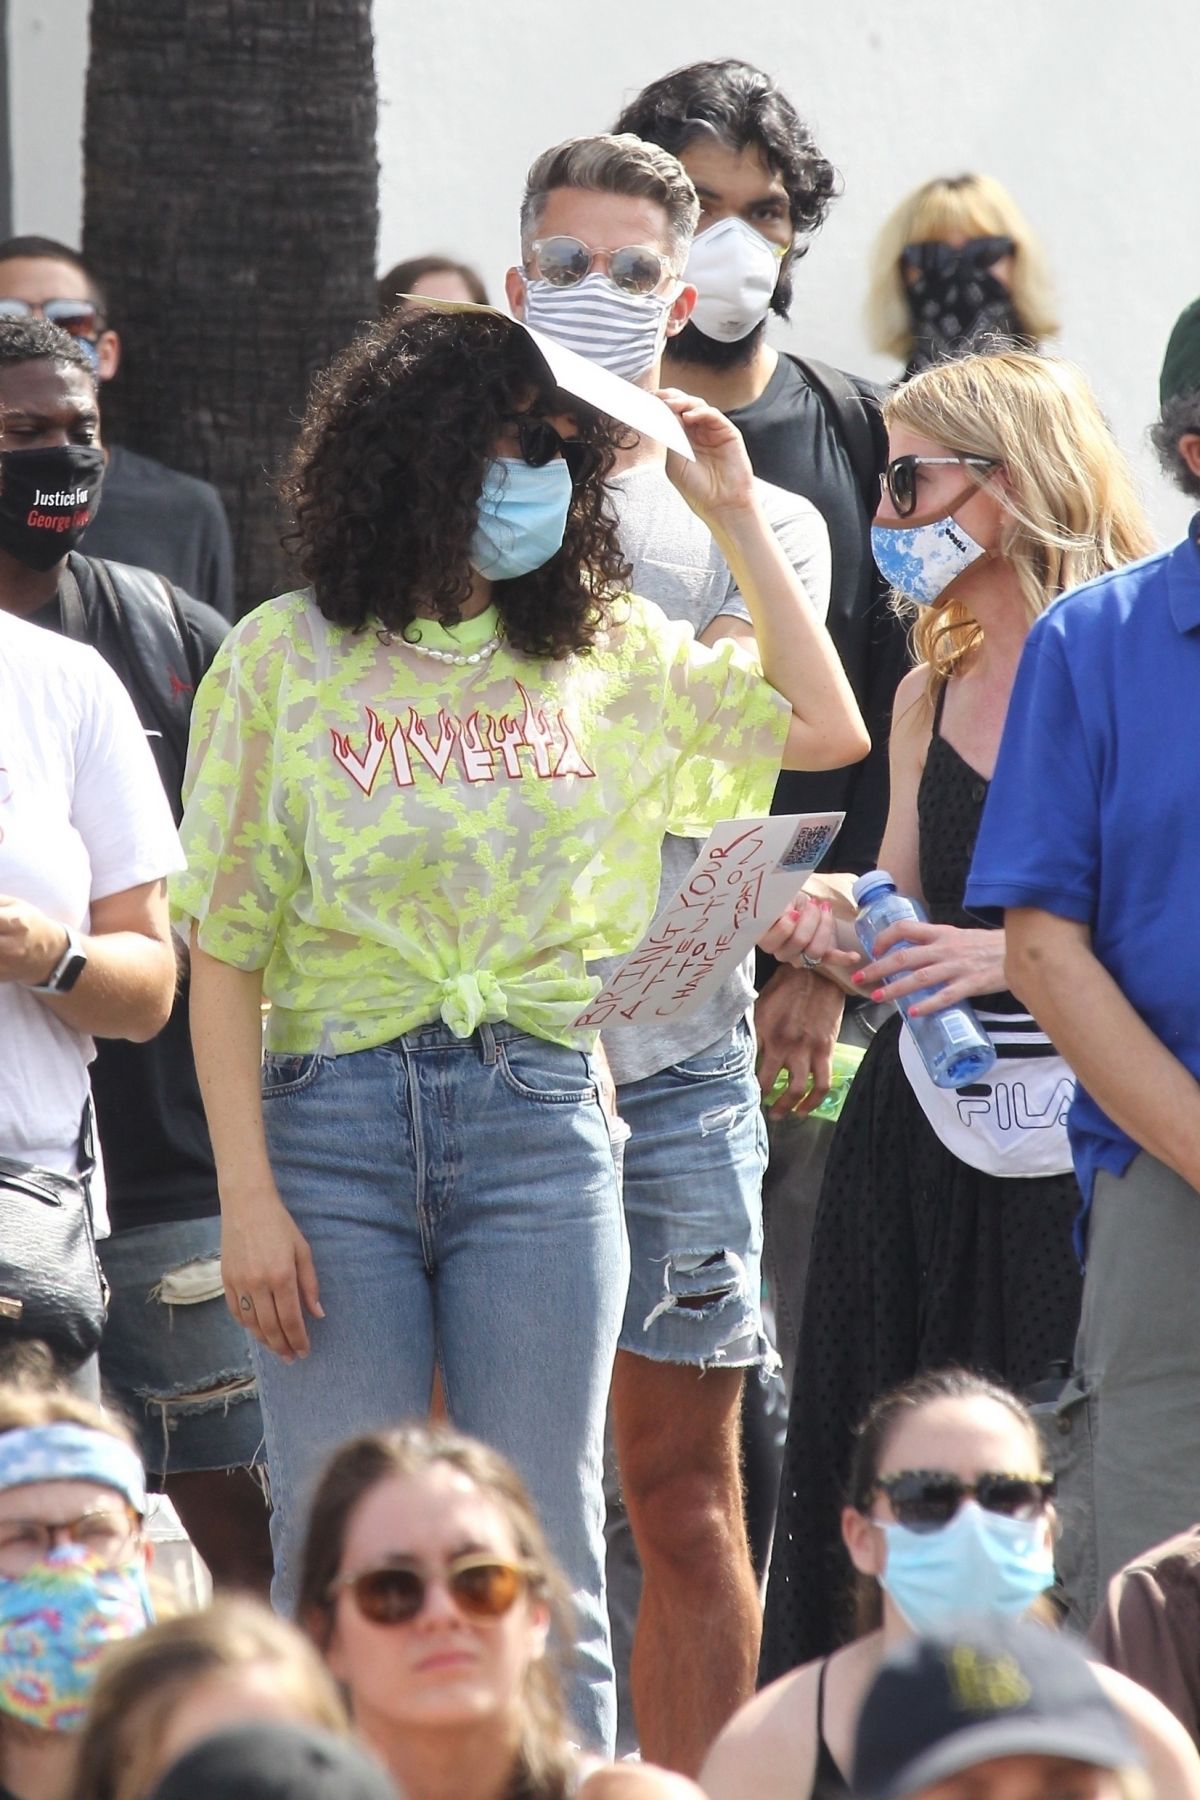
(396, 840)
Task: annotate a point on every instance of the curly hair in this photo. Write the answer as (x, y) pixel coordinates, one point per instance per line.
(739, 106)
(1180, 417)
(385, 479)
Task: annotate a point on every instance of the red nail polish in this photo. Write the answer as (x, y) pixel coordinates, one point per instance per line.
(858, 978)
(878, 994)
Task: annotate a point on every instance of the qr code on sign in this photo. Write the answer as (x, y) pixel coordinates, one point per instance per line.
(807, 848)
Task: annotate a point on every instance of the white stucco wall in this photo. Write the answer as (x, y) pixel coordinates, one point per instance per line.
(1082, 107)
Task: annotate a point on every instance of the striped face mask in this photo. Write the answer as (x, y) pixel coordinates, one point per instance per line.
(621, 332)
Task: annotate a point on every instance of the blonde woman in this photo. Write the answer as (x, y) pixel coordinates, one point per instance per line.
(944, 1228)
(180, 1681)
(956, 264)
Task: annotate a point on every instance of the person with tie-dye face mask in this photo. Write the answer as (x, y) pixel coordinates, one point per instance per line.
(73, 1562)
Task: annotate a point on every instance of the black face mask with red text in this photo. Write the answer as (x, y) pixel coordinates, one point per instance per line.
(47, 498)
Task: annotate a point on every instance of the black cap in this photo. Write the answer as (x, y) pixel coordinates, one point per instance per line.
(274, 1762)
(940, 1705)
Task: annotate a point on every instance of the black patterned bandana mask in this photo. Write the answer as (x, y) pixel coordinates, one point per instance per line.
(955, 302)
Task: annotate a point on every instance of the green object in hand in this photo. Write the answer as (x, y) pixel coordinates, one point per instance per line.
(846, 1058)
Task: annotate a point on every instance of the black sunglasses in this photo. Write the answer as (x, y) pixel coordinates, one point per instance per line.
(540, 443)
(80, 317)
(927, 1499)
(482, 1587)
(899, 479)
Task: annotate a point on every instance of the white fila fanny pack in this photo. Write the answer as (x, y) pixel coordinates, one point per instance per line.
(1014, 1121)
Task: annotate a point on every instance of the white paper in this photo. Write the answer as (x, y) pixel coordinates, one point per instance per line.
(600, 388)
(745, 876)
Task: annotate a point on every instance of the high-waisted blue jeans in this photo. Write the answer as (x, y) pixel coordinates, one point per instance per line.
(461, 1202)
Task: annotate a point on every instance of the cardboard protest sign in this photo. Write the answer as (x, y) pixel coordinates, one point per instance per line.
(743, 878)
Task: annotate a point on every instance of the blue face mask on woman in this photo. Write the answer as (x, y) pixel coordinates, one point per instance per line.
(920, 561)
(980, 1565)
(523, 515)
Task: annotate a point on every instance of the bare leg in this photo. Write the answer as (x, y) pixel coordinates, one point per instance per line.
(225, 1513)
(695, 1651)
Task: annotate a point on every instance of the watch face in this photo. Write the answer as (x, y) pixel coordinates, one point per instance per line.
(70, 975)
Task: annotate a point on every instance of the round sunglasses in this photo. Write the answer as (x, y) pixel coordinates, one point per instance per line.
(927, 1499)
(79, 317)
(899, 479)
(482, 1587)
(540, 443)
(564, 261)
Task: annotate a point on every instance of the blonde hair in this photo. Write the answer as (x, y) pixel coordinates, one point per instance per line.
(141, 1683)
(545, 1759)
(614, 164)
(970, 205)
(1072, 504)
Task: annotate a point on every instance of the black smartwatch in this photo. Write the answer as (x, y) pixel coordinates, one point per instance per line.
(67, 969)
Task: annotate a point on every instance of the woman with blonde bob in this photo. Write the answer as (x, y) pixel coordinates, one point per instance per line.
(427, 1584)
(233, 1664)
(944, 1228)
(957, 266)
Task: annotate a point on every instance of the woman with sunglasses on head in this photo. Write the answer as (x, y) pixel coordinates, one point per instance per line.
(947, 1521)
(73, 1561)
(427, 1585)
(944, 1227)
(422, 796)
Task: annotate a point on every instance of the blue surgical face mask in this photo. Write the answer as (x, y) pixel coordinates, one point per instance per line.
(920, 561)
(522, 517)
(982, 1565)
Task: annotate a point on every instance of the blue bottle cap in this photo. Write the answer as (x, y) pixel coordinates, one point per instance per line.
(869, 883)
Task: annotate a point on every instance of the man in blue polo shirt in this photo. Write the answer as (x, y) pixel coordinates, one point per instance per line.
(1091, 844)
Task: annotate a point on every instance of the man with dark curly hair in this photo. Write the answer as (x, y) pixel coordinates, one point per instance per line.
(765, 189)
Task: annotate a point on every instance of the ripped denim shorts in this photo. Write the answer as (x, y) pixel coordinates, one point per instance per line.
(172, 1354)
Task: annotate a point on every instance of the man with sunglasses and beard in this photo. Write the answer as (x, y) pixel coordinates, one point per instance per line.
(606, 224)
(152, 517)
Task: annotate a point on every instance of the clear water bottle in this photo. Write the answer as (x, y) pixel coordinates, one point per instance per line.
(953, 1044)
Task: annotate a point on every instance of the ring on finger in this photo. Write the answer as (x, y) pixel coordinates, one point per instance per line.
(810, 962)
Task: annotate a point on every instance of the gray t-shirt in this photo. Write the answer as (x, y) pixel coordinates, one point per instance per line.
(677, 565)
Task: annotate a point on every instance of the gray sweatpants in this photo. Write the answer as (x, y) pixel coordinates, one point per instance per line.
(1125, 1438)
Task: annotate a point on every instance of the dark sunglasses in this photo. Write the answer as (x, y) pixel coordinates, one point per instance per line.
(564, 261)
(927, 1499)
(899, 479)
(80, 317)
(540, 443)
(482, 1587)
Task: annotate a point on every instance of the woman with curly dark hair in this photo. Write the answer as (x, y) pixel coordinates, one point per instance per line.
(422, 795)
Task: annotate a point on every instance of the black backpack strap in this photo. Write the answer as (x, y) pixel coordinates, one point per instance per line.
(161, 657)
(70, 607)
(860, 421)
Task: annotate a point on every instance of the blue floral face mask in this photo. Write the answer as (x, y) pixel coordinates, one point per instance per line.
(981, 1565)
(920, 561)
(522, 517)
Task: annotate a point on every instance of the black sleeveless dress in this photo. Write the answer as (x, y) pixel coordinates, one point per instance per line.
(918, 1261)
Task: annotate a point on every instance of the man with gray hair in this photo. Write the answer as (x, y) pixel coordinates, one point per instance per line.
(606, 226)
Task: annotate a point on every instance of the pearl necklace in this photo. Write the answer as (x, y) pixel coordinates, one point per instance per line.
(458, 657)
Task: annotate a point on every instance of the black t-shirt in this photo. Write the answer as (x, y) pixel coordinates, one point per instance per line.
(157, 518)
(794, 442)
(158, 1160)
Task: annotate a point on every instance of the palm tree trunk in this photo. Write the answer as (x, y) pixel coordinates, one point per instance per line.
(231, 205)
